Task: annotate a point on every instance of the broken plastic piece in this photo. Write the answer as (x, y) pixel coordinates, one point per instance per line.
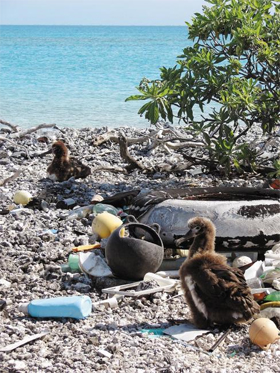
(185, 332)
(93, 264)
(67, 203)
(254, 271)
(79, 212)
(153, 333)
(108, 303)
(254, 283)
(86, 247)
(166, 285)
(104, 353)
(275, 296)
(170, 274)
(30, 338)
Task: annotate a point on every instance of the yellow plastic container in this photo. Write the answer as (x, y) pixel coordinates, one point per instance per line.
(105, 223)
(22, 197)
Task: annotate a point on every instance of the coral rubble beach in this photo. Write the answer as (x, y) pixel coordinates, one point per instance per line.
(35, 243)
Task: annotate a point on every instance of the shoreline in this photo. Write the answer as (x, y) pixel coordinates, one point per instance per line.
(31, 255)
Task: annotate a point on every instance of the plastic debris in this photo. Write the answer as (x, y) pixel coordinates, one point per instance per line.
(112, 302)
(79, 212)
(82, 212)
(153, 333)
(75, 307)
(135, 289)
(168, 283)
(254, 283)
(93, 264)
(170, 273)
(185, 332)
(276, 284)
(86, 247)
(28, 339)
(263, 332)
(275, 296)
(254, 271)
(269, 276)
(72, 264)
(104, 353)
(270, 304)
(105, 223)
(22, 197)
(67, 203)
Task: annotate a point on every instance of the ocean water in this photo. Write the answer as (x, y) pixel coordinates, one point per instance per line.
(79, 76)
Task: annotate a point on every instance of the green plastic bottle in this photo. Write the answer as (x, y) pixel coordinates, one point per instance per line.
(273, 297)
(72, 265)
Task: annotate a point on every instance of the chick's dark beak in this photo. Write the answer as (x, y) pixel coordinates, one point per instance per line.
(190, 234)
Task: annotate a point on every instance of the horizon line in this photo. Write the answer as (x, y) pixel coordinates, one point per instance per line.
(60, 25)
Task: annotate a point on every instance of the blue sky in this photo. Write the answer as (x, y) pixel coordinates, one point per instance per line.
(98, 12)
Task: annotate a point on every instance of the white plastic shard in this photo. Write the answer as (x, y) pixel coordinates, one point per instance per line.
(25, 340)
(185, 332)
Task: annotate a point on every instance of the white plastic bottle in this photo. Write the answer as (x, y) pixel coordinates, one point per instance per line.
(76, 307)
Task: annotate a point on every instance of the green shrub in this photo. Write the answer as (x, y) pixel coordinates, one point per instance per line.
(234, 62)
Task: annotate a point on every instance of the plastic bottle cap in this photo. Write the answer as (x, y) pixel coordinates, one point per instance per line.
(24, 308)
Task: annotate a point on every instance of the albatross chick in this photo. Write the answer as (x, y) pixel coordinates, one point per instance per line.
(63, 166)
(215, 292)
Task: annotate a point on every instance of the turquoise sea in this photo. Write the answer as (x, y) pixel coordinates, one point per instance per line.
(79, 76)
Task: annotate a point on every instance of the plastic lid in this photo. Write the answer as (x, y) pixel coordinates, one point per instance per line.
(24, 308)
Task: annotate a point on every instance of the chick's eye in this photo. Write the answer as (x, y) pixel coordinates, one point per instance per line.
(197, 228)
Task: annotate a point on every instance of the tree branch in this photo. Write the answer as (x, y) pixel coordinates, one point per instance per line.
(13, 127)
(33, 129)
(133, 163)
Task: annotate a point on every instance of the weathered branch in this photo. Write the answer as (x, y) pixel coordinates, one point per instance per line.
(33, 129)
(133, 163)
(15, 175)
(114, 169)
(10, 178)
(111, 136)
(12, 126)
(183, 144)
(108, 136)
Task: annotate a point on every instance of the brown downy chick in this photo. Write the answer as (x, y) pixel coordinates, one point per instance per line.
(215, 292)
(63, 166)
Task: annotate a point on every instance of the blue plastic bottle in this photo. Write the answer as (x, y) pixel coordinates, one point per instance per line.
(76, 307)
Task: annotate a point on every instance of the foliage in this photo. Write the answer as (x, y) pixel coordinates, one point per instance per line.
(276, 173)
(234, 62)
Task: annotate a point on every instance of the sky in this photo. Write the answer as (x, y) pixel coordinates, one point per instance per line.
(98, 12)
